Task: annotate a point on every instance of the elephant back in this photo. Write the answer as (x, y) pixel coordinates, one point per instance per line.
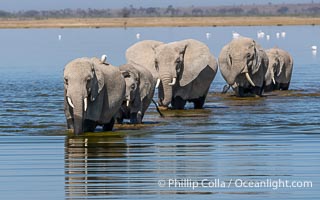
(143, 53)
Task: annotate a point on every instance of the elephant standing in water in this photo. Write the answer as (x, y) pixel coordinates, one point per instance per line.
(139, 93)
(93, 94)
(279, 71)
(186, 69)
(243, 64)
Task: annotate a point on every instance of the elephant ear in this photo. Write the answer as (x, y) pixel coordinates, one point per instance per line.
(125, 74)
(225, 65)
(257, 60)
(281, 65)
(98, 81)
(145, 81)
(194, 59)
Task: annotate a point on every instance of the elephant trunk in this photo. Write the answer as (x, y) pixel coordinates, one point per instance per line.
(167, 85)
(79, 107)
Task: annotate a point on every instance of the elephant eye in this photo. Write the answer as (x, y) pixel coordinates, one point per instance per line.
(248, 55)
(156, 64)
(88, 81)
(132, 86)
(230, 58)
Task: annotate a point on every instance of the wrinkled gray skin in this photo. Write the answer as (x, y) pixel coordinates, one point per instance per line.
(193, 66)
(101, 84)
(143, 54)
(240, 56)
(279, 71)
(139, 92)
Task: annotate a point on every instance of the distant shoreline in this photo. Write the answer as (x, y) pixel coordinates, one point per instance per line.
(157, 22)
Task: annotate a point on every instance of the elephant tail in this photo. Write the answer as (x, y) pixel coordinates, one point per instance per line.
(161, 115)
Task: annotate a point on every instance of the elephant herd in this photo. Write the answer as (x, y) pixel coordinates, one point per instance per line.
(98, 93)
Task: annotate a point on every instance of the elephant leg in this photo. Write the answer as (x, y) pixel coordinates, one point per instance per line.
(120, 117)
(133, 118)
(139, 117)
(178, 103)
(120, 120)
(108, 126)
(257, 90)
(89, 126)
(284, 86)
(70, 123)
(248, 92)
(241, 92)
(269, 88)
(277, 86)
(198, 103)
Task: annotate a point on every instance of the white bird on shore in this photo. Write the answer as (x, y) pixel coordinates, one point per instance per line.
(283, 34)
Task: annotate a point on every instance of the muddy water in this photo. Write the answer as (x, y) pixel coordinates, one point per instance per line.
(236, 148)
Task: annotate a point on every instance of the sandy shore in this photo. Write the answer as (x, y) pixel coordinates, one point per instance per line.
(159, 22)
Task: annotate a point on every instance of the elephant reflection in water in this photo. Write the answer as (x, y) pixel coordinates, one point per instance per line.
(88, 162)
(110, 167)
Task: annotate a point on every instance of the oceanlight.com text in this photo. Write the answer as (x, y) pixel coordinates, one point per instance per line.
(274, 184)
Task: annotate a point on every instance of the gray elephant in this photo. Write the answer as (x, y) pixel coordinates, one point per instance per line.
(279, 71)
(186, 69)
(143, 54)
(93, 93)
(139, 93)
(243, 64)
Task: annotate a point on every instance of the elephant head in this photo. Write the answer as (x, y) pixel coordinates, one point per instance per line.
(132, 86)
(276, 65)
(279, 71)
(241, 57)
(83, 82)
(178, 64)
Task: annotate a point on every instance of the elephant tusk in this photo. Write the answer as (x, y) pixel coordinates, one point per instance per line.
(273, 80)
(249, 79)
(158, 83)
(173, 81)
(85, 104)
(70, 102)
(128, 102)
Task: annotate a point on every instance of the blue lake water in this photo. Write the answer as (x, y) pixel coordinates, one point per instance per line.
(215, 153)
